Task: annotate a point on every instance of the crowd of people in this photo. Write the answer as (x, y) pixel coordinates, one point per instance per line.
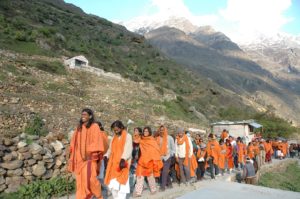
(123, 164)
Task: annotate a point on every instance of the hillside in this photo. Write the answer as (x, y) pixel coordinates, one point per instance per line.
(36, 36)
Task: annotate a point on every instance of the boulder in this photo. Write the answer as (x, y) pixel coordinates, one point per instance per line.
(36, 149)
(8, 157)
(2, 187)
(23, 149)
(2, 180)
(58, 162)
(2, 172)
(57, 145)
(27, 173)
(26, 155)
(2, 147)
(23, 135)
(48, 174)
(31, 162)
(13, 148)
(8, 142)
(56, 173)
(30, 178)
(12, 165)
(37, 157)
(49, 165)
(14, 183)
(38, 170)
(21, 144)
(17, 172)
(15, 154)
(16, 139)
(57, 153)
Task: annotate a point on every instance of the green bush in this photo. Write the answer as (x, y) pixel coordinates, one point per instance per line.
(36, 127)
(43, 189)
(21, 36)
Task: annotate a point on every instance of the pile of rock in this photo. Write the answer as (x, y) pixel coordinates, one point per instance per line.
(27, 158)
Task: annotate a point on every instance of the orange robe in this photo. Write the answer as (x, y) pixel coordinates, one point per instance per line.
(222, 156)
(193, 166)
(86, 150)
(150, 161)
(229, 157)
(241, 150)
(113, 171)
(268, 148)
(213, 150)
(250, 151)
(256, 149)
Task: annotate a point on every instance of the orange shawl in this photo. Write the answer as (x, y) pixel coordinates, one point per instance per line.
(150, 160)
(213, 150)
(185, 140)
(164, 143)
(112, 170)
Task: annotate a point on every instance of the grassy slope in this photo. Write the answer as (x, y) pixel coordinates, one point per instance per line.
(288, 180)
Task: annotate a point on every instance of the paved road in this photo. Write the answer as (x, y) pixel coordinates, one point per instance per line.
(232, 190)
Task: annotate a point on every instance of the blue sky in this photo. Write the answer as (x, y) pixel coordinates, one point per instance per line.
(234, 17)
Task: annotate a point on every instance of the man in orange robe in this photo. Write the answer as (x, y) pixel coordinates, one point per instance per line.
(119, 155)
(269, 151)
(256, 151)
(149, 163)
(241, 151)
(86, 150)
(213, 150)
(229, 156)
(250, 151)
(222, 156)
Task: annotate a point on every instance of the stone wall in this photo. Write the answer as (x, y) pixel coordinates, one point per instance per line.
(26, 158)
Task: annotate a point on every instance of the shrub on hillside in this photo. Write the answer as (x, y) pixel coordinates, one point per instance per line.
(36, 127)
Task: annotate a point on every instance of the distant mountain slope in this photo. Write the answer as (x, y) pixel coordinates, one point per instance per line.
(213, 55)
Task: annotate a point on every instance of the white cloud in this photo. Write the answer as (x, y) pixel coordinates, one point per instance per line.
(245, 19)
(164, 9)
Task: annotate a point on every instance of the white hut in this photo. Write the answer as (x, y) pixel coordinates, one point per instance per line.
(77, 62)
(243, 128)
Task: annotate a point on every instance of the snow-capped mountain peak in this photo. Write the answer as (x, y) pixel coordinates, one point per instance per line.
(143, 25)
